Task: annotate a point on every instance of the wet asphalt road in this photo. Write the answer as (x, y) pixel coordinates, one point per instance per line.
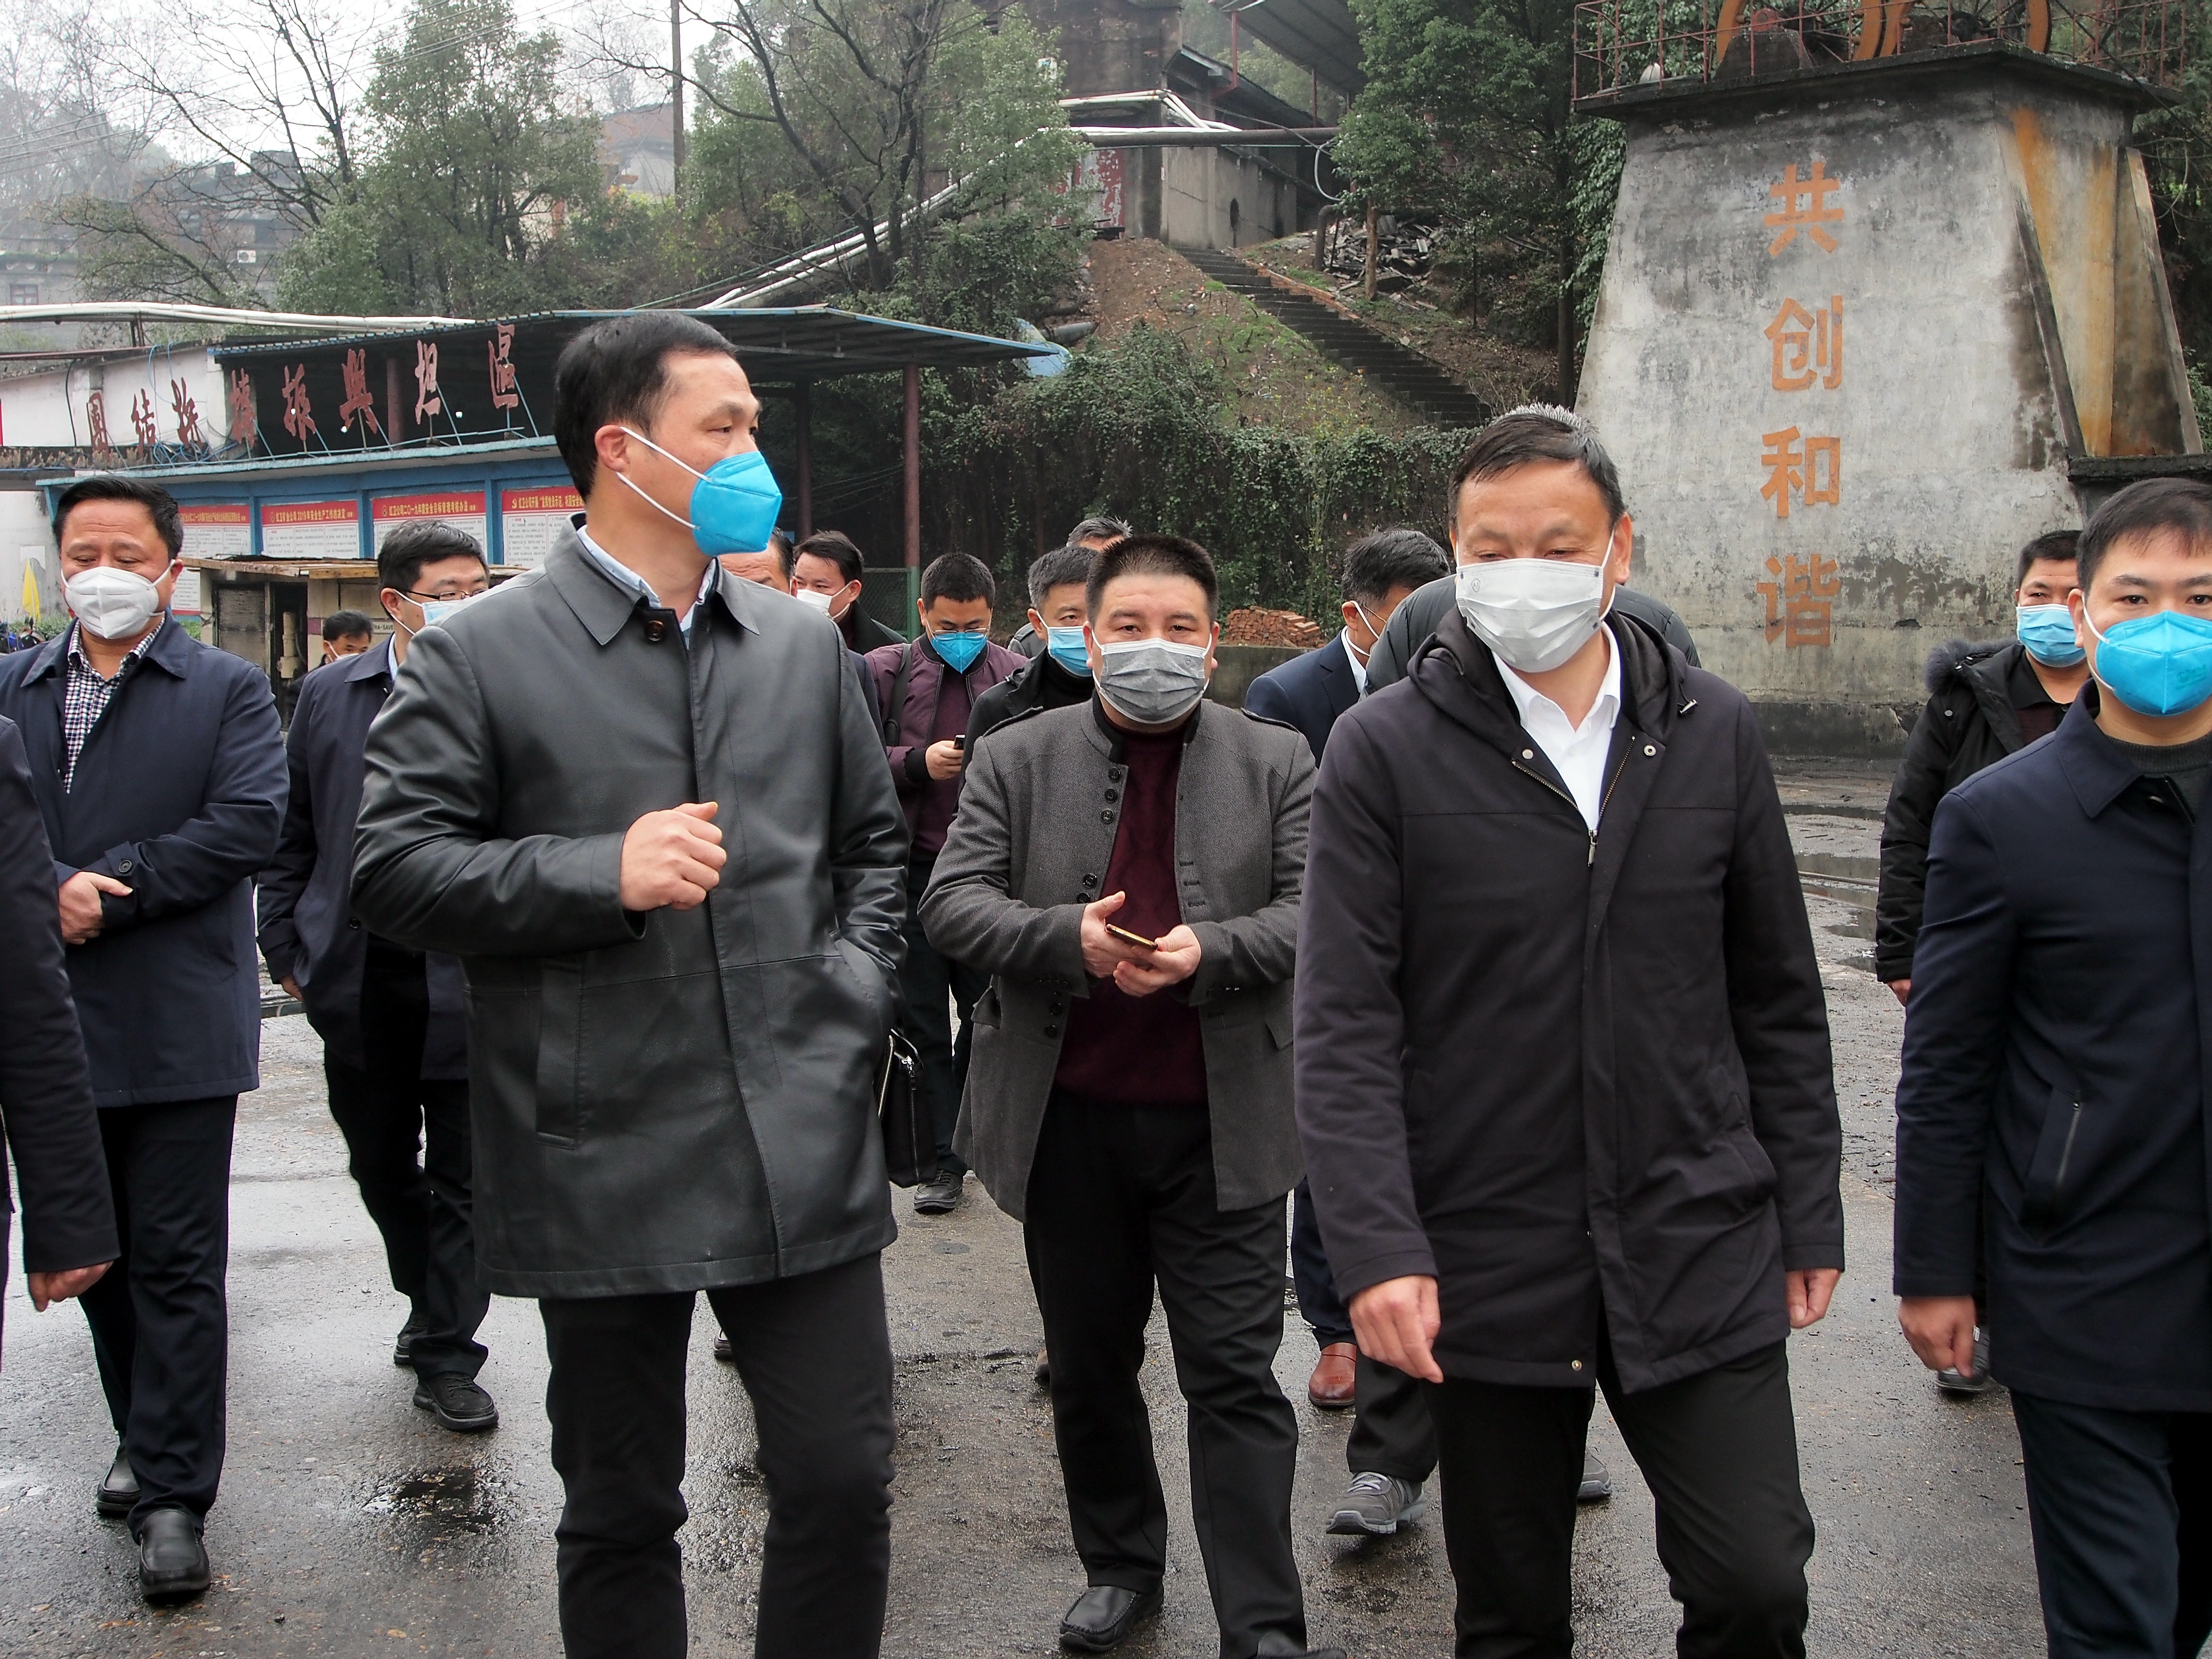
(351, 1525)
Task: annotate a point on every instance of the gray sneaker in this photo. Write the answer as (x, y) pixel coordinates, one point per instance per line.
(1374, 1504)
(1596, 1486)
(1951, 1381)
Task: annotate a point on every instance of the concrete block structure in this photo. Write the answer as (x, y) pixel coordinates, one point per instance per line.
(1862, 330)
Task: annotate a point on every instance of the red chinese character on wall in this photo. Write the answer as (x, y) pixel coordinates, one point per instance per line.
(245, 424)
(428, 400)
(501, 352)
(1813, 470)
(188, 416)
(1804, 207)
(298, 414)
(1801, 600)
(359, 400)
(142, 419)
(95, 416)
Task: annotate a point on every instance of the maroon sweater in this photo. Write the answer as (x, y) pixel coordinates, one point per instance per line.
(1142, 1051)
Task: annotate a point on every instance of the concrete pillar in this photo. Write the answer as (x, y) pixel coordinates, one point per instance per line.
(1850, 340)
(803, 418)
(910, 447)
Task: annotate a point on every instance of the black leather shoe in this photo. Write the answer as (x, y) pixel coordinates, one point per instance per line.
(1103, 1616)
(403, 1345)
(457, 1403)
(118, 1489)
(172, 1564)
(938, 1195)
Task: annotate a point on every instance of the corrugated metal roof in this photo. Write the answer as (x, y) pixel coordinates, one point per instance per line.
(1319, 35)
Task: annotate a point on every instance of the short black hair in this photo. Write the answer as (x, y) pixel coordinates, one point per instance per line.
(1537, 432)
(419, 542)
(959, 577)
(838, 548)
(1376, 563)
(617, 371)
(169, 522)
(2059, 544)
(779, 543)
(1145, 555)
(2150, 507)
(1093, 529)
(1058, 568)
(345, 624)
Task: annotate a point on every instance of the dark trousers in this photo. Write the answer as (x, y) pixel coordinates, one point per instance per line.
(2120, 1503)
(814, 1354)
(1319, 1305)
(926, 983)
(1120, 1197)
(390, 1113)
(1391, 1433)
(160, 1325)
(1719, 1451)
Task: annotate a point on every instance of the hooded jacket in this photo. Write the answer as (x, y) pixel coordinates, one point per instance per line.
(1569, 1075)
(1969, 723)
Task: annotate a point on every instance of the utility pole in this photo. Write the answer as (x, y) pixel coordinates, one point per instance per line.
(676, 92)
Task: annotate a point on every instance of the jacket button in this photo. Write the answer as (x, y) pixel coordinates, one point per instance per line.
(353, 921)
(1052, 1030)
(1577, 1364)
(1106, 817)
(1649, 749)
(1527, 754)
(1091, 881)
(1112, 794)
(124, 868)
(1114, 774)
(655, 631)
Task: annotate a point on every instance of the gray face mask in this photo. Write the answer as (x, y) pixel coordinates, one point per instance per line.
(1153, 682)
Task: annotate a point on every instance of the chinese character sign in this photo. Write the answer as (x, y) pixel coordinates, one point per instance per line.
(359, 400)
(95, 417)
(1805, 207)
(1808, 346)
(501, 351)
(188, 416)
(244, 425)
(1801, 599)
(143, 423)
(1811, 469)
(428, 399)
(299, 415)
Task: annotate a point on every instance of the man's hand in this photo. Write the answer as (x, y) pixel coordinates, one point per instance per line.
(672, 858)
(1396, 1322)
(1940, 1329)
(1101, 952)
(291, 987)
(1901, 989)
(1174, 961)
(47, 1289)
(80, 901)
(944, 759)
(1809, 1289)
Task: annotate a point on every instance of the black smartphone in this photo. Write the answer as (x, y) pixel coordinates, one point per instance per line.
(1133, 939)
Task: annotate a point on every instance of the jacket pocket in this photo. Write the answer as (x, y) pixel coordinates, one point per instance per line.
(560, 1051)
(2043, 1195)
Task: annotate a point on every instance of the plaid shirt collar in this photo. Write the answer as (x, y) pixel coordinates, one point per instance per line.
(88, 695)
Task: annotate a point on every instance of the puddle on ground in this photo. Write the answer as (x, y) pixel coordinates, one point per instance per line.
(459, 1497)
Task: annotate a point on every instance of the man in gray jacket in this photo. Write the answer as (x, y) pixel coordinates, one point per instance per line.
(1128, 870)
(642, 801)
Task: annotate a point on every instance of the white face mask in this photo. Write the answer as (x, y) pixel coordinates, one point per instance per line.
(1533, 613)
(111, 603)
(1153, 682)
(812, 600)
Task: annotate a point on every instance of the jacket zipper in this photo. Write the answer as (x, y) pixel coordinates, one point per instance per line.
(1603, 800)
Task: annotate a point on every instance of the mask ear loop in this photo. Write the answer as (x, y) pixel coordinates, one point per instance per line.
(649, 500)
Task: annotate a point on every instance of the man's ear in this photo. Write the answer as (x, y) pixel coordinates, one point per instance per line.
(389, 598)
(612, 444)
(1037, 622)
(1623, 551)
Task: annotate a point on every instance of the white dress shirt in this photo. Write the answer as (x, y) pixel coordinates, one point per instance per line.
(1576, 752)
(1358, 667)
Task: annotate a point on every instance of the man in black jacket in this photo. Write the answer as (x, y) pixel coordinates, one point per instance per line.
(159, 769)
(1563, 1068)
(395, 1043)
(828, 564)
(1985, 702)
(2054, 1110)
(1058, 676)
(46, 1097)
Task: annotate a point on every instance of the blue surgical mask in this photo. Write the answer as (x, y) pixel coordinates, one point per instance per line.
(1067, 648)
(435, 611)
(2157, 664)
(2047, 631)
(959, 650)
(734, 506)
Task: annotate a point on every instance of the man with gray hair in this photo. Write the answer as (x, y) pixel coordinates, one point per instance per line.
(1058, 676)
(1088, 537)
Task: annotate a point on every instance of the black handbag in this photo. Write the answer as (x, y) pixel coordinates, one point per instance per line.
(909, 1141)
